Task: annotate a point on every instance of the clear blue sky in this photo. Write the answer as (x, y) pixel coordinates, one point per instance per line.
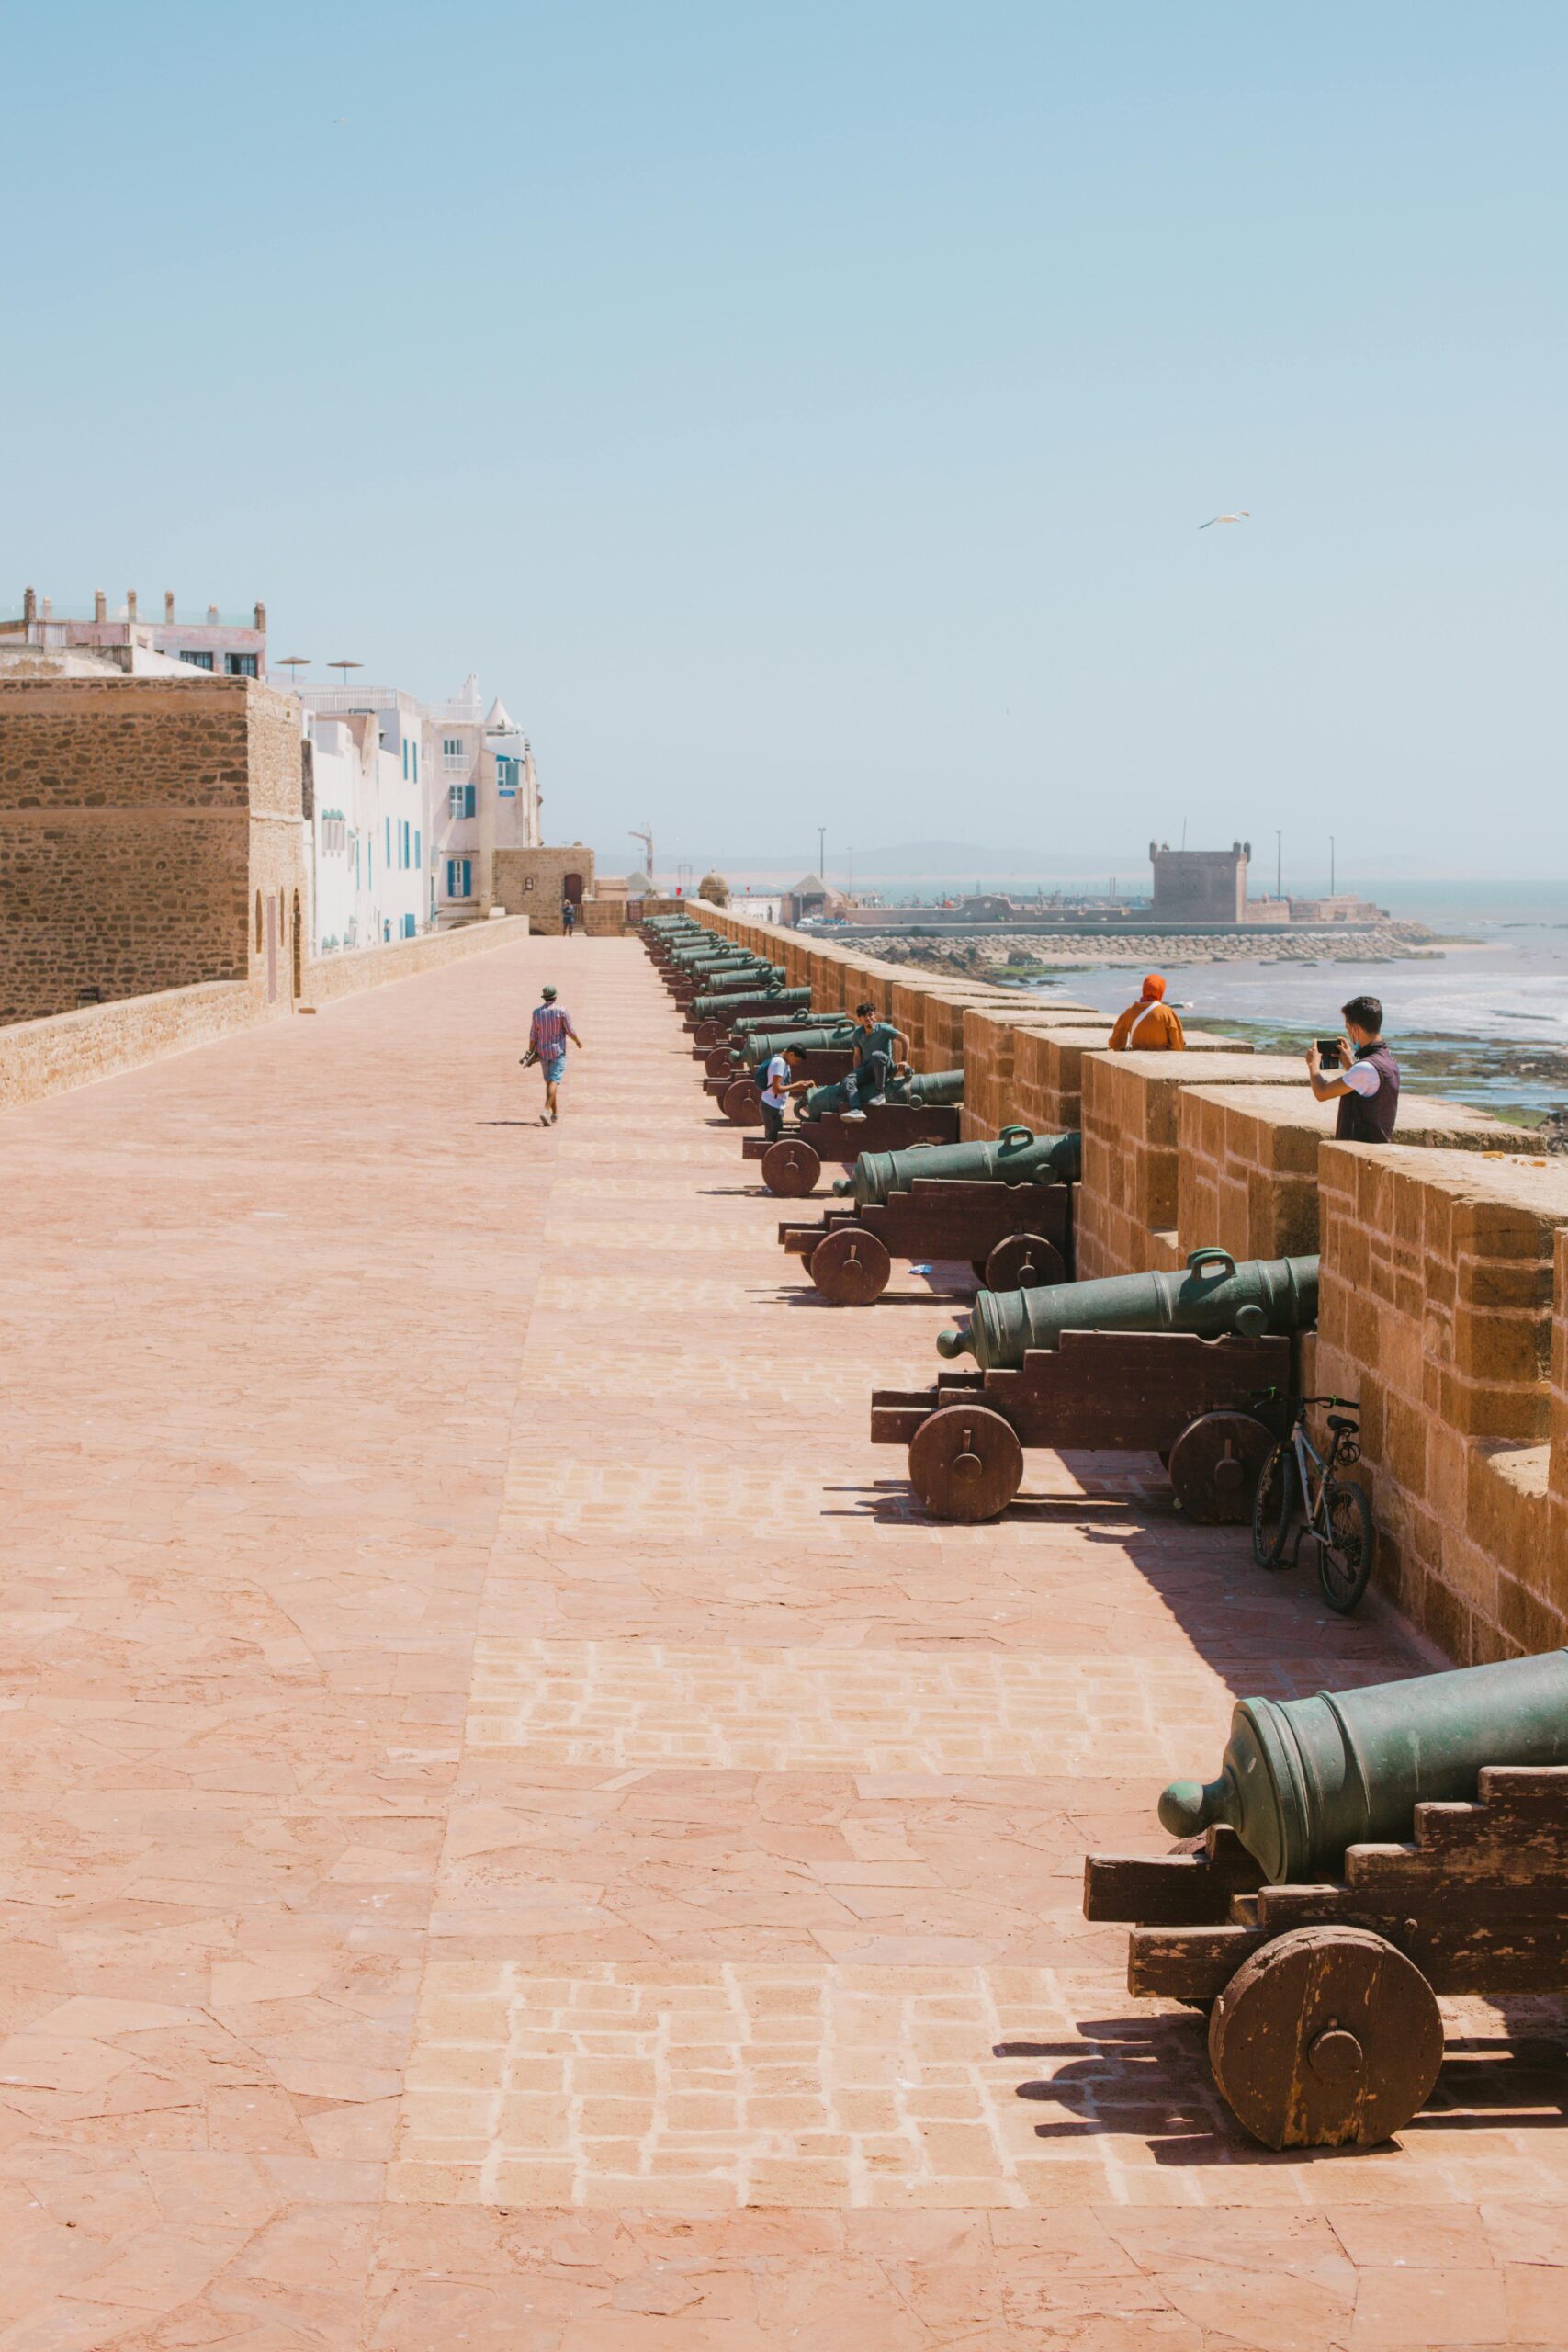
(805, 413)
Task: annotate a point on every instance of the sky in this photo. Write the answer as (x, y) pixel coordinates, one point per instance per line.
(803, 415)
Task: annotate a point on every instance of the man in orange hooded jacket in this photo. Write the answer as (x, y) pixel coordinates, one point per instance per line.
(1149, 1026)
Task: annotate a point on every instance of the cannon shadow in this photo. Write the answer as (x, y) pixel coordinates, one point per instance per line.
(1148, 2077)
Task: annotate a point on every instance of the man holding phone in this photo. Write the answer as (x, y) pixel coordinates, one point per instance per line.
(1357, 1072)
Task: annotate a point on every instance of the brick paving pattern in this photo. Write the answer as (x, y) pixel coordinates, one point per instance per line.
(517, 1834)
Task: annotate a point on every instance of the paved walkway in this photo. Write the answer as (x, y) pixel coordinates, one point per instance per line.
(514, 1834)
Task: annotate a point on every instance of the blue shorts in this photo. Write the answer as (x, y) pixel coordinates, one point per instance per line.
(554, 1067)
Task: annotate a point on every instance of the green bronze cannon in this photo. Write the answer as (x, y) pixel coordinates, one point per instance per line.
(1212, 1297)
(757, 1003)
(1303, 1778)
(931, 1088)
(756, 1048)
(1018, 1157)
(1362, 1853)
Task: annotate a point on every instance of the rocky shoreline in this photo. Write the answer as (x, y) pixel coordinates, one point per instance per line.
(1014, 955)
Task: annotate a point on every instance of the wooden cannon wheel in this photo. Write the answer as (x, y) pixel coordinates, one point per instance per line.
(965, 1463)
(708, 1033)
(742, 1103)
(850, 1266)
(1214, 1466)
(1022, 1261)
(790, 1168)
(1327, 2038)
(718, 1060)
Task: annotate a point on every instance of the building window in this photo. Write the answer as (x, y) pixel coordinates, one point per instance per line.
(459, 878)
(460, 800)
(388, 823)
(416, 762)
(405, 758)
(407, 843)
(197, 661)
(451, 747)
(418, 851)
(238, 665)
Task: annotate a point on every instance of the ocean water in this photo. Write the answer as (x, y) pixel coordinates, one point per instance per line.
(1485, 1020)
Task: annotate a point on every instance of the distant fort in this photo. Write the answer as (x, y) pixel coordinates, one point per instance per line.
(1195, 890)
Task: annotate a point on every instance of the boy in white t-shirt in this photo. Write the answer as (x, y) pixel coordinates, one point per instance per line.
(779, 1082)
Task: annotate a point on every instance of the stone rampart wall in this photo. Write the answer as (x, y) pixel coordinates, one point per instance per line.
(137, 818)
(1444, 1261)
(67, 1049)
(371, 967)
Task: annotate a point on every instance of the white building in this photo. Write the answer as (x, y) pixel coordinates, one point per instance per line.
(229, 645)
(485, 797)
(456, 783)
(367, 822)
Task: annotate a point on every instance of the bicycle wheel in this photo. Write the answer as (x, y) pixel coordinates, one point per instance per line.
(1273, 1507)
(1344, 1553)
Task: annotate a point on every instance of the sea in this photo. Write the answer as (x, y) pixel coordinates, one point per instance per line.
(1482, 1016)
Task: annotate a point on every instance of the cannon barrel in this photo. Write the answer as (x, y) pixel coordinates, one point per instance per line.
(932, 1086)
(1302, 1778)
(805, 1017)
(1018, 1157)
(760, 1047)
(1212, 1297)
(729, 997)
(766, 1004)
(692, 956)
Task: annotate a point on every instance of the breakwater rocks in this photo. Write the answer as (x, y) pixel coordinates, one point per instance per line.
(1004, 955)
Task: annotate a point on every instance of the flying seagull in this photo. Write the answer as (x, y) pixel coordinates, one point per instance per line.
(1241, 515)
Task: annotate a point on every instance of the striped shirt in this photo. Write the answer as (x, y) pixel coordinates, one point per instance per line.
(547, 1031)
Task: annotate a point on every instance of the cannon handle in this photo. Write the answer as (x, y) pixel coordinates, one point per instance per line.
(1015, 1129)
(1211, 1255)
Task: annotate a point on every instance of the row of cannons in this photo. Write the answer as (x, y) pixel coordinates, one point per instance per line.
(1359, 1854)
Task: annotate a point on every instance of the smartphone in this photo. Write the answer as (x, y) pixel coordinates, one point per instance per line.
(1329, 1052)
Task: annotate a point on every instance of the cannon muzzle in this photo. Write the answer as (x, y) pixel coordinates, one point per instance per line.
(1018, 1157)
(1212, 1297)
(1303, 1778)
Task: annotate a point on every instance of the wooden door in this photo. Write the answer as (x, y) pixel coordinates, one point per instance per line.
(271, 949)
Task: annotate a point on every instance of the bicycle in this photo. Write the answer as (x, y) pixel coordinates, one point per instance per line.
(1339, 1516)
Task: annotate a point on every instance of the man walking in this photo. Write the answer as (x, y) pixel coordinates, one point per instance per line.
(1149, 1026)
(1363, 1079)
(880, 1049)
(568, 918)
(547, 1032)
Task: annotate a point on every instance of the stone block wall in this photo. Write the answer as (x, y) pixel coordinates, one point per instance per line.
(531, 882)
(1248, 1160)
(139, 819)
(1441, 1311)
(1127, 1214)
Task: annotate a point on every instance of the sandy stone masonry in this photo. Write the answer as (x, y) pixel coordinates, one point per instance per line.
(140, 819)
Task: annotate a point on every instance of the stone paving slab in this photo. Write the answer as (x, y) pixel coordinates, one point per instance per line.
(516, 1832)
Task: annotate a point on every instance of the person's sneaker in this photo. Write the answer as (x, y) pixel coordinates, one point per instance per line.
(853, 1114)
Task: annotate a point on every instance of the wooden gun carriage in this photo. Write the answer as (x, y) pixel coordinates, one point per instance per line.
(1212, 1409)
(792, 1165)
(1009, 1233)
(1325, 2028)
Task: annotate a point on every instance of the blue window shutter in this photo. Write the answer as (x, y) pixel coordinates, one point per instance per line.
(416, 763)
(405, 758)
(418, 851)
